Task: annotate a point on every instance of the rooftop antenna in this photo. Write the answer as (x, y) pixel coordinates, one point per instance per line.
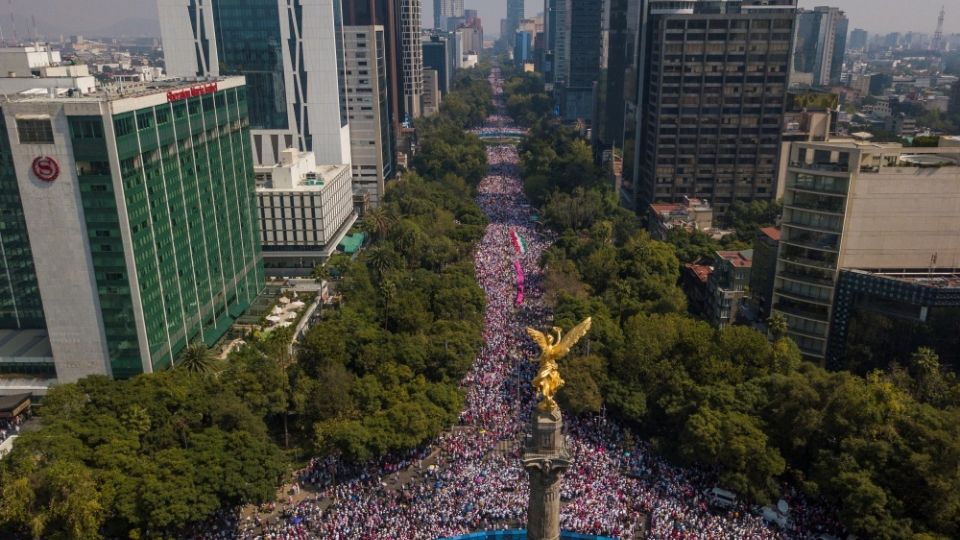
(13, 24)
(33, 23)
(938, 35)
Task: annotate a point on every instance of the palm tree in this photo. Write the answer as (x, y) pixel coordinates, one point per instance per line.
(407, 240)
(378, 222)
(381, 259)
(388, 289)
(777, 324)
(196, 358)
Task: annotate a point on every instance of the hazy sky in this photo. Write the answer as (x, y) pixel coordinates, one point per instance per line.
(873, 15)
(90, 16)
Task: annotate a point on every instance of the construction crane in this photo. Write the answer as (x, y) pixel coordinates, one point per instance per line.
(937, 42)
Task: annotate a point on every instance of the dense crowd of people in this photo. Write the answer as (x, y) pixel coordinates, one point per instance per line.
(498, 125)
(11, 426)
(471, 477)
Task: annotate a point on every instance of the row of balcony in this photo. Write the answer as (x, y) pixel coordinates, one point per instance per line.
(828, 167)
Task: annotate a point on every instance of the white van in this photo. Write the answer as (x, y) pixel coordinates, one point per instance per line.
(720, 498)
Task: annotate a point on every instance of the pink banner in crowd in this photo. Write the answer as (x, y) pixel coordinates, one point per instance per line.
(516, 265)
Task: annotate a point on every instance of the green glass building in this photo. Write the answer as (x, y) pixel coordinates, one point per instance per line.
(129, 223)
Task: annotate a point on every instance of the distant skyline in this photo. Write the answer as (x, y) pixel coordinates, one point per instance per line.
(875, 16)
(136, 17)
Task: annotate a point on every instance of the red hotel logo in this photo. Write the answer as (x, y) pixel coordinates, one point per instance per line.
(193, 91)
(46, 168)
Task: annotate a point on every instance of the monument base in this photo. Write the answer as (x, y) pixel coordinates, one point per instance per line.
(545, 459)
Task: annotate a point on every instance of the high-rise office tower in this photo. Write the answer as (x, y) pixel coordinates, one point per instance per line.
(820, 45)
(130, 226)
(292, 56)
(431, 92)
(838, 49)
(582, 60)
(411, 55)
(383, 13)
(515, 13)
(858, 39)
(892, 40)
(472, 20)
(712, 79)
(557, 29)
(445, 9)
(439, 54)
(368, 108)
(615, 125)
(522, 47)
(953, 107)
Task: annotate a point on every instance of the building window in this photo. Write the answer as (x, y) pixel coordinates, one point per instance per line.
(38, 131)
(145, 120)
(123, 125)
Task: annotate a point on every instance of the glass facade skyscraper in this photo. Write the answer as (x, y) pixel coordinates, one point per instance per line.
(249, 43)
(20, 305)
(292, 54)
(515, 12)
(155, 192)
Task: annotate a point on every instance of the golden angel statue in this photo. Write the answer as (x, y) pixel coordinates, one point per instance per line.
(548, 381)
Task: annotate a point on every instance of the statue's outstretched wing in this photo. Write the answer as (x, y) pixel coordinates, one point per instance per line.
(572, 337)
(539, 338)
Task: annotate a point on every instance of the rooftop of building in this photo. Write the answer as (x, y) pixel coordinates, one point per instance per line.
(688, 205)
(701, 271)
(298, 171)
(933, 279)
(739, 259)
(36, 47)
(772, 233)
(947, 145)
(172, 89)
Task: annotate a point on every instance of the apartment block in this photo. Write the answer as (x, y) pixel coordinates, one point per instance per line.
(856, 205)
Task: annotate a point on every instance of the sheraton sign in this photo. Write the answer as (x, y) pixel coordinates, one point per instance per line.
(193, 91)
(45, 168)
